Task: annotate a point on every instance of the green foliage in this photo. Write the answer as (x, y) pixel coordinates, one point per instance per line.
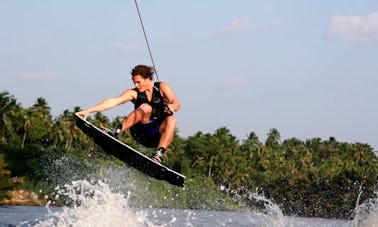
(8, 116)
(5, 179)
(198, 193)
(306, 178)
(310, 178)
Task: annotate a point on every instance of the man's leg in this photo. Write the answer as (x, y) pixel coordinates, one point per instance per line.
(141, 114)
(167, 131)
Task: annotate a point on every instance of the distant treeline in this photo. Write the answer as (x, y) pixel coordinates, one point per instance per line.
(315, 177)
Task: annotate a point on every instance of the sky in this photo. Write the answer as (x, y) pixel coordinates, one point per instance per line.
(307, 68)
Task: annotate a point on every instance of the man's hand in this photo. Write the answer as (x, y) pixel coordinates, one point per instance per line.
(83, 113)
(169, 109)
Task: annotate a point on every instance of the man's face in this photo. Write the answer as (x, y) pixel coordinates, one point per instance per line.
(140, 83)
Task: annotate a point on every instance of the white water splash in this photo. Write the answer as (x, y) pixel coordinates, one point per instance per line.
(367, 213)
(94, 205)
(272, 214)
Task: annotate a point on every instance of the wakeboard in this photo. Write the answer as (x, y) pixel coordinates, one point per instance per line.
(129, 155)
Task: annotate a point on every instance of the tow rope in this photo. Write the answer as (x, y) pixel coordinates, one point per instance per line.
(145, 37)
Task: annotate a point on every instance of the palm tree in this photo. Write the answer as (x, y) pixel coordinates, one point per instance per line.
(69, 129)
(28, 119)
(6, 182)
(100, 118)
(77, 138)
(57, 133)
(240, 176)
(42, 112)
(42, 108)
(65, 134)
(226, 148)
(273, 139)
(8, 110)
(199, 150)
(37, 122)
(252, 143)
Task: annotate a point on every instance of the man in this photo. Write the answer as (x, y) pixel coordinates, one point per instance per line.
(152, 123)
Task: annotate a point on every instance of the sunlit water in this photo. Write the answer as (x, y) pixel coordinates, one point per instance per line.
(94, 204)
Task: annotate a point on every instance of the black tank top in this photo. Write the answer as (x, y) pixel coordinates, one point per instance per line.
(157, 102)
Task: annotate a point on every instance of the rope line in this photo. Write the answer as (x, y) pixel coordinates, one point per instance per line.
(145, 37)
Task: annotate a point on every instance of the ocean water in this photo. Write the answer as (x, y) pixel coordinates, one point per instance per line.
(97, 205)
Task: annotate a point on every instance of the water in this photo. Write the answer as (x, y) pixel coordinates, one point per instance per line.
(41, 216)
(94, 204)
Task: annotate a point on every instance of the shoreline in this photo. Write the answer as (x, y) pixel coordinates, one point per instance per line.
(22, 197)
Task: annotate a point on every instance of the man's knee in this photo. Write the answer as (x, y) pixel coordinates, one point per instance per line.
(142, 114)
(145, 108)
(171, 121)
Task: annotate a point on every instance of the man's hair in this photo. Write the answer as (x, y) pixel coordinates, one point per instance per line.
(143, 70)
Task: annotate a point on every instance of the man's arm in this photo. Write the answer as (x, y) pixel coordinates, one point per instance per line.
(170, 97)
(109, 103)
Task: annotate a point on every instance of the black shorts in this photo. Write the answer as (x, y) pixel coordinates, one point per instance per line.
(147, 135)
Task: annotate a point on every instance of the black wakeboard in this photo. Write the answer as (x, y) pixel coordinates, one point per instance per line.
(128, 154)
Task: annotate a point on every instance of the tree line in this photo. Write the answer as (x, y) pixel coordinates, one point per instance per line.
(315, 177)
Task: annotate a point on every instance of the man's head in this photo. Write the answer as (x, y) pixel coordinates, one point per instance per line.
(144, 71)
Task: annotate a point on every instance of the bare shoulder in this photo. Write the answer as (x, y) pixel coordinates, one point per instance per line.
(164, 86)
(167, 91)
(170, 96)
(128, 95)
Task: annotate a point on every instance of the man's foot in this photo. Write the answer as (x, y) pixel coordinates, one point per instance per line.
(158, 155)
(114, 132)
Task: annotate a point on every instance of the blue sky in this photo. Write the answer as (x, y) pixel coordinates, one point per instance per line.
(307, 68)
